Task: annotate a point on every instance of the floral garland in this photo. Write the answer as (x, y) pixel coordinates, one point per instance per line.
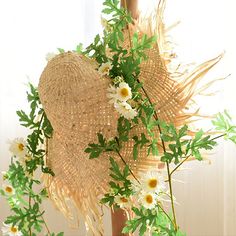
(145, 194)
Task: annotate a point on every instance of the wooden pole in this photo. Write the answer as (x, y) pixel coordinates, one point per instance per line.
(132, 6)
(119, 217)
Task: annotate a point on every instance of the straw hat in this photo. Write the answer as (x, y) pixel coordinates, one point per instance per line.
(74, 97)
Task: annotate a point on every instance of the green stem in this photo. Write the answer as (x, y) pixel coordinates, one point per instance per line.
(163, 146)
(30, 231)
(167, 163)
(159, 205)
(181, 163)
(131, 172)
(171, 195)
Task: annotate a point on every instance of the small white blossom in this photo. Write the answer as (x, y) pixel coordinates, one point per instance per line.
(18, 147)
(148, 200)
(152, 181)
(105, 68)
(124, 92)
(8, 190)
(122, 202)
(125, 110)
(9, 230)
(49, 56)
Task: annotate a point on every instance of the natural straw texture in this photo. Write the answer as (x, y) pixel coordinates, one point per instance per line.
(74, 98)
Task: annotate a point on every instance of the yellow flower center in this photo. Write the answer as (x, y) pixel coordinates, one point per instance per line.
(123, 199)
(152, 183)
(13, 229)
(21, 146)
(8, 189)
(105, 69)
(124, 92)
(149, 199)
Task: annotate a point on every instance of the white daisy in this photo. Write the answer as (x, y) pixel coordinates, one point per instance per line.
(122, 202)
(124, 92)
(105, 68)
(18, 147)
(152, 181)
(148, 200)
(9, 230)
(112, 94)
(8, 190)
(125, 110)
(49, 56)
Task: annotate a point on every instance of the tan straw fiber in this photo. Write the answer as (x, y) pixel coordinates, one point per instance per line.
(74, 97)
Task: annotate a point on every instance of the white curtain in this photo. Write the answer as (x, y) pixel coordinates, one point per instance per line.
(30, 29)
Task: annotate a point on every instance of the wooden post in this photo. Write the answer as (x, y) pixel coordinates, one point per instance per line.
(132, 6)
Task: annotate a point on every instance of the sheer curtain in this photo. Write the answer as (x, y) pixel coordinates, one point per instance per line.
(29, 29)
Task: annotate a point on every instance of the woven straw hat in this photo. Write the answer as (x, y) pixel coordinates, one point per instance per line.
(74, 97)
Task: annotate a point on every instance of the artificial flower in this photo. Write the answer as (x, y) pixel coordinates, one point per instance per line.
(125, 110)
(8, 190)
(49, 56)
(18, 147)
(122, 202)
(152, 181)
(105, 68)
(148, 200)
(9, 230)
(124, 92)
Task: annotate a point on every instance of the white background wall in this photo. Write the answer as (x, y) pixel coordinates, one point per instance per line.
(29, 29)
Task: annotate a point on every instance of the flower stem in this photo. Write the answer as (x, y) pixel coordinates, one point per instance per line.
(167, 163)
(131, 172)
(171, 195)
(181, 163)
(30, 231)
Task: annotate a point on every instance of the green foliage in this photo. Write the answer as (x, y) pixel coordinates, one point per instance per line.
(123, 129)
(25, 212)
(139, 144)
(148, 218)
(41, 128)
(25, 202)
(118, 21)
(139, 46)
(121, 184)
(223, 123)
(181, 146)
(60, 50)
(95, 150)
(199, 142)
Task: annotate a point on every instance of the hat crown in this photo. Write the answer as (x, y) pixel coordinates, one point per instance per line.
(74, 97)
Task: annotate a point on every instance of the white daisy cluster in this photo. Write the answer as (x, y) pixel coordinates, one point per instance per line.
(150, 189)
(147, 193)
(119, 96)
(18, 148)
(10, 230)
